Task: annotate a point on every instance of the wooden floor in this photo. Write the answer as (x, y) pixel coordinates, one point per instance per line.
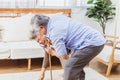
(11, 66)
(101, 68)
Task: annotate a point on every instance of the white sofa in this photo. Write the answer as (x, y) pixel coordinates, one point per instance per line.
(16, 42)
(16, 33)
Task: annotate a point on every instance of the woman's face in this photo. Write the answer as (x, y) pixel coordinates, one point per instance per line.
(41, 39)
(40, 30)
(41, 35)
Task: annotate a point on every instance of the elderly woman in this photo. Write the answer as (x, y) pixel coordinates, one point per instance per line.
(64, 32)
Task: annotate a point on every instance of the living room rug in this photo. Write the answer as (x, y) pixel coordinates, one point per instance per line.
(33, 75)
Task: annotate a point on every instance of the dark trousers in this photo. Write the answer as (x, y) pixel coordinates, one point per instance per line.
(73, 69)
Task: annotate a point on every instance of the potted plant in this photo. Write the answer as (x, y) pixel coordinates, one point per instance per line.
(101, 11)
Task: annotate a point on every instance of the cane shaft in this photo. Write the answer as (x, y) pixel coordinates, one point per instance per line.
(50, 62)
(50, 67)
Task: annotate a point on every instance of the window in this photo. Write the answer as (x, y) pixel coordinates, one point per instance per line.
(33, 3)
(81, 3)
(6, 3)
(53, 3)
(17, 3)
(41, 3)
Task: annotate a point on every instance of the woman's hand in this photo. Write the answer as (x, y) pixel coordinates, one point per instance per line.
(49, 50)
(42, 74)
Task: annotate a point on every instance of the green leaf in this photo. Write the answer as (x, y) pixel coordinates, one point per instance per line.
(109, 18)
(90, 1)
(107, 2)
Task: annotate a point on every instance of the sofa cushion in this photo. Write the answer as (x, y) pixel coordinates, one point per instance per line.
(16, 29)
(4, 53)
(21, 49)
(27, 53)
(19, 45)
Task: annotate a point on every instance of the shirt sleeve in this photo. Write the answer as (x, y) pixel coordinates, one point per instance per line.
(59, 46)
(57, 36)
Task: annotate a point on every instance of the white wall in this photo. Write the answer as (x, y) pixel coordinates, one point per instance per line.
(79, 14)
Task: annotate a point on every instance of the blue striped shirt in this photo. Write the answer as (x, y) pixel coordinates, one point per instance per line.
(65, 32)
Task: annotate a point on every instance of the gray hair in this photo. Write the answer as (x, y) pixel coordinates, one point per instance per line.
(39, 20)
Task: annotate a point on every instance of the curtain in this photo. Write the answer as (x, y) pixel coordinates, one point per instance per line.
(17, 3)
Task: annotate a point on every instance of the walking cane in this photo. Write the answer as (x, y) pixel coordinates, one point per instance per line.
(49, 43)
